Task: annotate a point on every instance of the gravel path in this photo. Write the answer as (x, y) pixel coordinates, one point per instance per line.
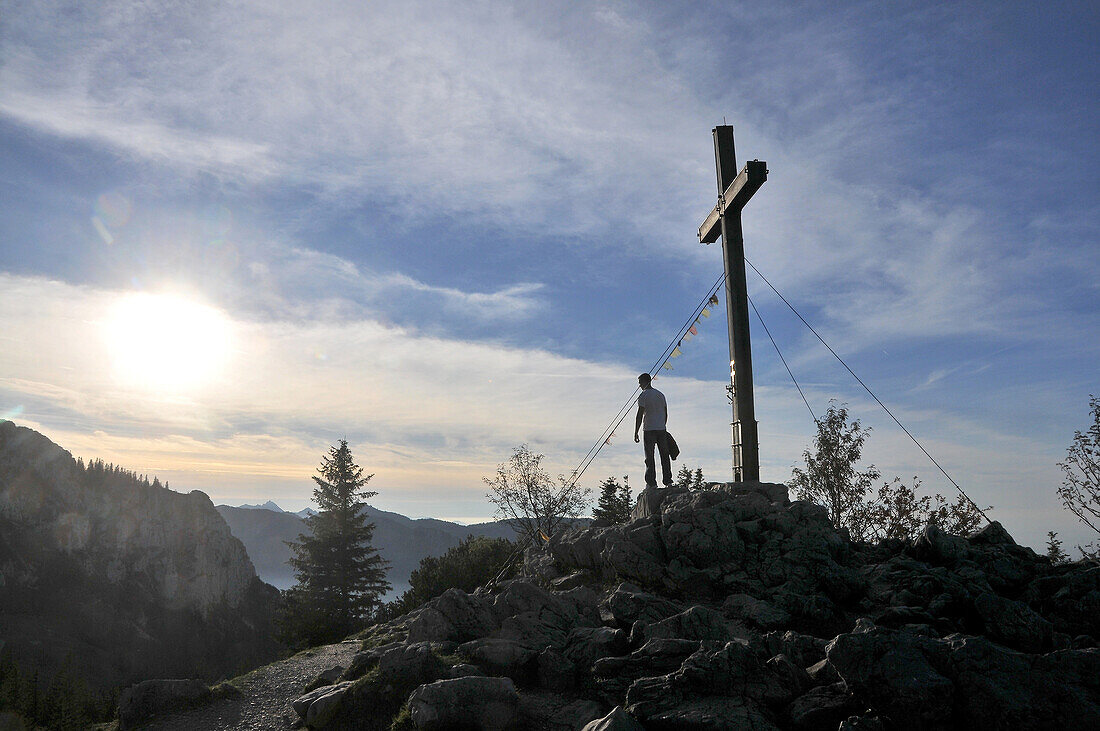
(266, 694)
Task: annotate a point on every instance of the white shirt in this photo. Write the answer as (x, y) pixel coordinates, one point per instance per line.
(654, 409)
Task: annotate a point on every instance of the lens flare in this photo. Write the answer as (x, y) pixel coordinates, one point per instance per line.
(113, 209)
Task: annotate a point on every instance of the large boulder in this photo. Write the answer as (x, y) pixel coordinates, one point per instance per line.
(755, 612)
(151, 698)
(998, 688)
(454, 615)
(586, 645)
(484, 704)
(924, 682)
(1014, 623)
(501, 657)
(628, 604)
(695, 623)
(899, 673)
(655, 657)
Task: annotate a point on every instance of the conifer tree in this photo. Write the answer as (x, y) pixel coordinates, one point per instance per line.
(615, 502)
(340, 575)
(683, 478)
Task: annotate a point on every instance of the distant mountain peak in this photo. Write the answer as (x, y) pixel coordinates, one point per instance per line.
(269, 505)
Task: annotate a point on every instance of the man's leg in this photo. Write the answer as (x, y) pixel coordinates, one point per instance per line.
(649, 438)
(666, 463)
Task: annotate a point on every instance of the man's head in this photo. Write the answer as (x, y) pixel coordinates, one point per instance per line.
(644, 380)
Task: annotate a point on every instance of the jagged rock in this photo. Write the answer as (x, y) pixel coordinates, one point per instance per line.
(654, 657)
(696, 623)
(541, 564)
(573, 580)
(489, 704)
(323, 707)
(650, 500)
(734, 670)
(897, 673)
(756, 612)
(823, 672)
(629, 604)
(803, 650)
(555, 672)
(549, 711)
(993, 534)
(822, 707)
(1014, 623)
(793, 677)
(409, 664)
(521, 596)
(900, 616)
(332, 674)
(150, 698)
(586, 645)
(617, 720)
(302, 703)
(922, 682)
(997, 688)
(454, 615)
(937, 547)
(628, 560)
(500, 656)
(366, 660)
(463, 670)
(657, 705)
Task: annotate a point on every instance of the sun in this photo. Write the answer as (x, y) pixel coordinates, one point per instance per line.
(164, 341)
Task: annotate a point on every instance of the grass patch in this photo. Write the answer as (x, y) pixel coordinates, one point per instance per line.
(403, 720)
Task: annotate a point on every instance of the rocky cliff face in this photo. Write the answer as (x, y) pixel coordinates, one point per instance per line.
(175, 544)
(735, 608)
(97, 563)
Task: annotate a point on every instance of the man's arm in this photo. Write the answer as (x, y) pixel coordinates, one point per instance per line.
(638, 421)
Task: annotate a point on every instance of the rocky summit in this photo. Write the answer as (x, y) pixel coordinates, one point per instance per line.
(735, 608)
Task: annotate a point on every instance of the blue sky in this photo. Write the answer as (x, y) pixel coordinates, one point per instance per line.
(443, 230)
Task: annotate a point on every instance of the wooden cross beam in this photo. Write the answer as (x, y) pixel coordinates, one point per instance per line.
(734, 191)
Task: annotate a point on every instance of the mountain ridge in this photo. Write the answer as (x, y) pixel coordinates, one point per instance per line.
(127, 577)
(401, 540)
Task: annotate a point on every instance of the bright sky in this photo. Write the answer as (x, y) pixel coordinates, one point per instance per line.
(233, 233)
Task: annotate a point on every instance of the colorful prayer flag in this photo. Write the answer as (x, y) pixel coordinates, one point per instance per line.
(714, 299)
(667, 366)
(676, 353)
(686, 337)
(693, 330)
(705, 313)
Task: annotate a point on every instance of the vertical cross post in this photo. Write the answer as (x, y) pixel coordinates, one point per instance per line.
(734, 191)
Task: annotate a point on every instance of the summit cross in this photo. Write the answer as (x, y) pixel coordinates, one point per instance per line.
(734, 191)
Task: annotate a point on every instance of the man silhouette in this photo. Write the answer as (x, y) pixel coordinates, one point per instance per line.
(653, 412)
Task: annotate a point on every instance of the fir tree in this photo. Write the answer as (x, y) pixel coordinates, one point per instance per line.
(683, 478)
(615, 503)
(340, 576)
(1055, 552)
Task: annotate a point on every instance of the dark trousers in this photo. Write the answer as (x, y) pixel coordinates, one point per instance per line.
(657, 438)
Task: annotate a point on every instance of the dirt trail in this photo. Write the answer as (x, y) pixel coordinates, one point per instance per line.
(266, 693)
